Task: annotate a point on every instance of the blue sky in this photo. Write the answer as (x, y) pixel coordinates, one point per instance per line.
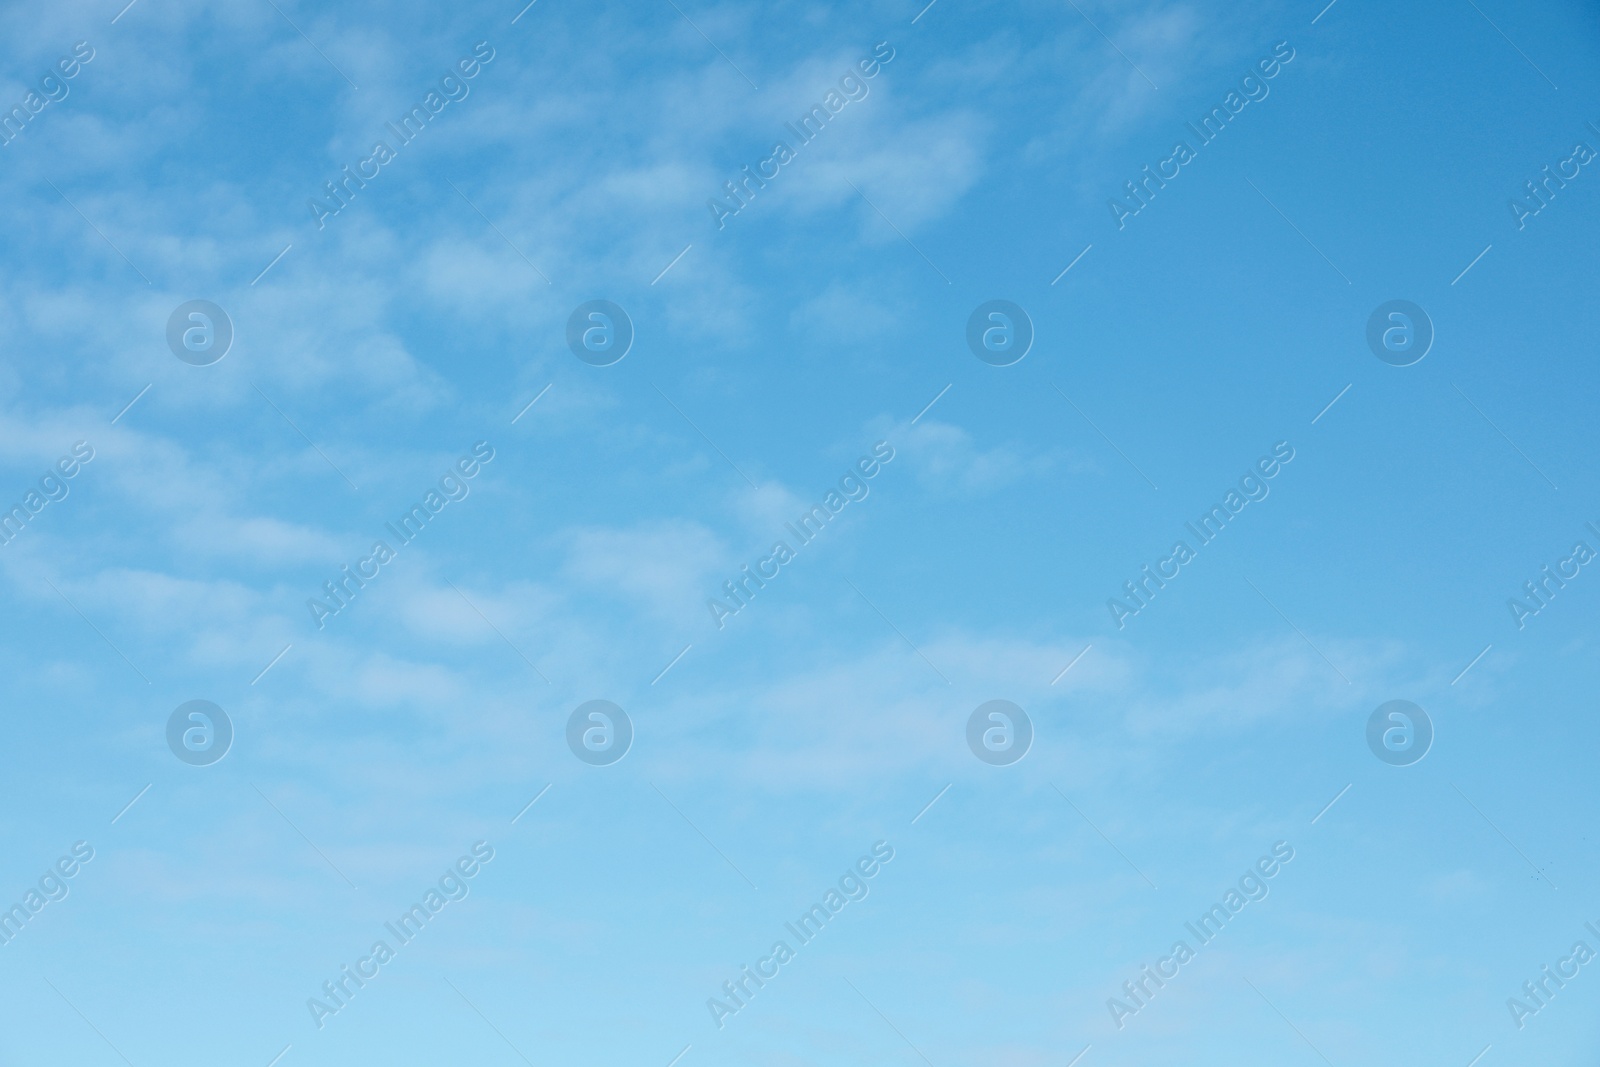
(828, 318)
